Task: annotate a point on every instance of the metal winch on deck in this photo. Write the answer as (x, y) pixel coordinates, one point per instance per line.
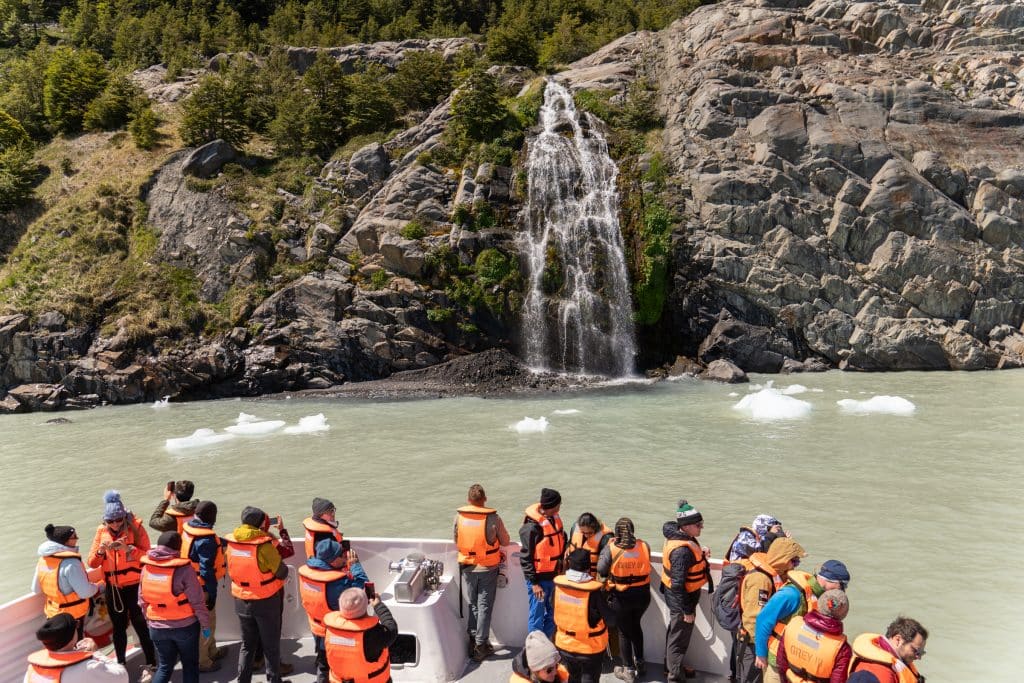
(416, 574)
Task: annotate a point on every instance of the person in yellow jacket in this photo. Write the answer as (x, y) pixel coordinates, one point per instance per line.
(538, 662)
(61, 577)
(479, 536)
(582, 619)
(766, 573)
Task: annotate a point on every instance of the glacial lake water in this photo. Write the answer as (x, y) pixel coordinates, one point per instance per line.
(924, 508)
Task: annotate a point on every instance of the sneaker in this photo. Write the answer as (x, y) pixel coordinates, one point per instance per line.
(482, 651)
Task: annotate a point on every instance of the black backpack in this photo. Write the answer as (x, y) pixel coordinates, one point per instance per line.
(725, 601)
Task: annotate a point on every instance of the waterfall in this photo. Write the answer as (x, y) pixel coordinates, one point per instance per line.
(577, 310)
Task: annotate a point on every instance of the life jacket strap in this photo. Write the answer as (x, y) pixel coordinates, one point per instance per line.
(628, 579)
(803, 673)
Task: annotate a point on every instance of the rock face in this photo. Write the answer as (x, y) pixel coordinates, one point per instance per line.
(848, 179)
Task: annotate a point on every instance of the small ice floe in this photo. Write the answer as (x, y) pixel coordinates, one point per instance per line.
(245, 418)
(877, 405)
(255, 428)
(198, 439)
(733, 394)
(529, 425)
(817, 391)
(165, 402)
(771, 404)
(309, 424)
(794, 389)
(565, 411)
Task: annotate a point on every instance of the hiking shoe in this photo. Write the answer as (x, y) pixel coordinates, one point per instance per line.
(482, 651)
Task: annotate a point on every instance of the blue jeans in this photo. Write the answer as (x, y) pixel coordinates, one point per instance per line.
(172, 644)
(542, 612)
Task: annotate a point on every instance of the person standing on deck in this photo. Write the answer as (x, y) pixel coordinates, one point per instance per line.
(177, 507)
(479, 536)
(543, 540)
(257, 582)
(323, 524)
(685, 570)
(582, 618)
(67, 659)
(756, 538)
(766, 573)
(172, 600)
(813, 648)
(890, 659)
(322, 580)
(590, 533)
(357, 643)
(796, 598)
(61, 577)
(205, 550)
(625, 563)
(118, 547)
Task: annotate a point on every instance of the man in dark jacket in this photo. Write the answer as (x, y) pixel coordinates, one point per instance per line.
(204, 551)
(176, 508)
(376, 639)
(685, 570)
(581, 641)
(543, 540)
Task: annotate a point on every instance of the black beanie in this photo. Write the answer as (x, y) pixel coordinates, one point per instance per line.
(579, 560)
(184, 489)
(253, 516)
(321, 505)
(549, 498)
(206, 512)
(59, 534)
(170, 539)
(57, 631)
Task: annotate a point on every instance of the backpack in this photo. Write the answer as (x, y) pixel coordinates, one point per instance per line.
(725, 601)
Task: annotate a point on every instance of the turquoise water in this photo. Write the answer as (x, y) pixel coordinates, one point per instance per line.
(920, 507)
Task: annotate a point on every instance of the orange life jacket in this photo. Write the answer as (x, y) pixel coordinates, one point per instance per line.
(48, 572)
(574, 632)
(344, 645)
(547, 554)
(562, 676)
(46, 666)
(182, 518)
(313, 592)
(593, 544)
(471, 537)
(247, 581)
(189, 534)
(155, 588)
(809, 601)
(313, 527)
(698, 573)
(118, 568)
(630, 566)
(868, 655)
(811, 654)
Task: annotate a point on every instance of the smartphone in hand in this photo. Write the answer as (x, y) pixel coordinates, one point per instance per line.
(371, 591)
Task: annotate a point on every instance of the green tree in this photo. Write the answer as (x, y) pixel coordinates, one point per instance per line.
(288, 128)
(476, 108)
(21, 90)
(143, 126)
(72, 80)
(16, 175)
(12, 134)
(421, 79)
(327, 89)
(215, 110)
(370, 106)
(513, 41)
(566, 43)
(113, 107)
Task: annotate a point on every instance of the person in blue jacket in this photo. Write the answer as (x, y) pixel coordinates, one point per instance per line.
(331, 556)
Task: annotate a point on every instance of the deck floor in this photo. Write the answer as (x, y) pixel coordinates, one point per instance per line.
(299, 653)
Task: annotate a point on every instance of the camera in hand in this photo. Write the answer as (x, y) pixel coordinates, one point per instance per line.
(346, 545)
(275, 521)
(170, 486)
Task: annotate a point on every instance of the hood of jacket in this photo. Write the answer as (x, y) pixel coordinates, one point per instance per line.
(672, 532)
(248, 533)
(819, 622)
(782, 552)
(52, 547)
(188, 506)
(519, 665)
(162, 552)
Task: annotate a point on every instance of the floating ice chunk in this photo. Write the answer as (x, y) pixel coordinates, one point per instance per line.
(817, 391)
(733, 393)
(165, 402)
(309, 424)
(771, 404)
(565, 411)
(255, 428)
(793, 389)
(529, 425)
(198, 439)
(877, 405)
(245, 418)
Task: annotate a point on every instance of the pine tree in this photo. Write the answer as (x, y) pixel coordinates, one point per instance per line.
(215, 110)
(71, 81)
(476, 107)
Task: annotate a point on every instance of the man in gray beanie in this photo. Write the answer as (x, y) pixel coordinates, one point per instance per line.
(538, 661)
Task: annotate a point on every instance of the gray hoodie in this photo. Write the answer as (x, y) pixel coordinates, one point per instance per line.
(71, 577)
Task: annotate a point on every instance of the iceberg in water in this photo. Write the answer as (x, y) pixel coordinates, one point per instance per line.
(198, 439)
(255, 428)
(165, 402)
(309, 424)
(245, 418)
(877, 405)
(794, 389)
(566, 411)
(529, 425)
(771, 404)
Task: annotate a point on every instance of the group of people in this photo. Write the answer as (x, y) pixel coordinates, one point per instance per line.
(168, 593)
(587, 589)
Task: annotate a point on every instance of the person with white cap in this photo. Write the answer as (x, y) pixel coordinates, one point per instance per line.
(538, 662)
(357, 643)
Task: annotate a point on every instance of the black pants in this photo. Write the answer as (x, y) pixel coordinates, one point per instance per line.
(261, 629)
(123, 607)
(746, 672)
(582, 668)
(629, 607)
(677, 642)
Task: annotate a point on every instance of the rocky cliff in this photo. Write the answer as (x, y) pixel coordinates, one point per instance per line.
(847, 189)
